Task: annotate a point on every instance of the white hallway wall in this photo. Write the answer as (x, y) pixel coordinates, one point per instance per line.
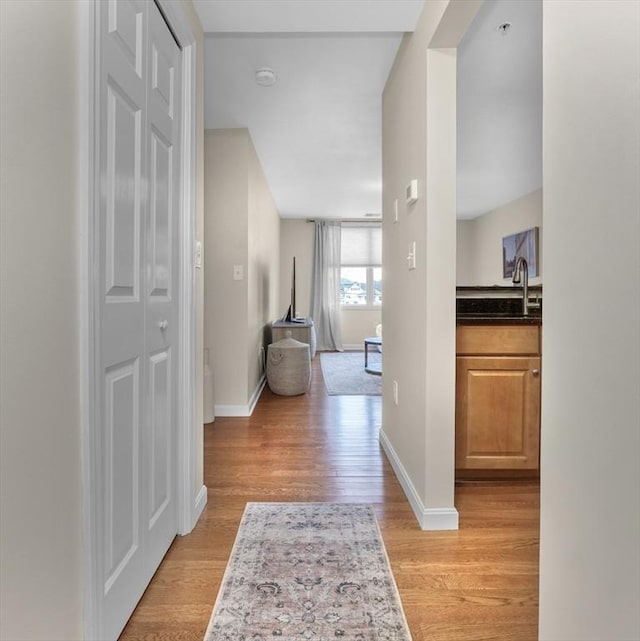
(226, 232)
(263, 269)
(419, 312)
(590, 512)
(242, 228)
(43, 100)
(40, 453)
(590, 503)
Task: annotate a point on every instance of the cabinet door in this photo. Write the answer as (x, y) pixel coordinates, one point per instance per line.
(498, 413)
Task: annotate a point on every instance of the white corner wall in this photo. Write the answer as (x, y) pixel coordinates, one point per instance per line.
(241, 228)
(43, 138)
(296, 239)
(590, 461)
(419, 310)
(41, 546)
(199, 233)
(263, 269)
(479, 246)
(358, 324)
(226, 312)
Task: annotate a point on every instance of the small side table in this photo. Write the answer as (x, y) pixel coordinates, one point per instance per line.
(304, 332)
(374, 340)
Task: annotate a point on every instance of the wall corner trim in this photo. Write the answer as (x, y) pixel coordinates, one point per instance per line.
(256, 393)
(199, 504)
(429, 518)
(243, 410)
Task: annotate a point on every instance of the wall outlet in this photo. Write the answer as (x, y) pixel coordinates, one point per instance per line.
(395, 392)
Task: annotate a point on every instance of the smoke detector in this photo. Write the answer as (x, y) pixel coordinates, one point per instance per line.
(266, 77)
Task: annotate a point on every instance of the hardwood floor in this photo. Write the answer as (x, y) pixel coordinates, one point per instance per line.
(475, 584)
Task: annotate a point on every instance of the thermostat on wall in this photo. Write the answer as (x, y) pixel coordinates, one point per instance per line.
(412, 192)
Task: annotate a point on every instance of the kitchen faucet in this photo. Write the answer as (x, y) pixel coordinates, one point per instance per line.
(521, 264)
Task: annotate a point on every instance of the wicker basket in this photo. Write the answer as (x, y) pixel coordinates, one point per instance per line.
(288, 367)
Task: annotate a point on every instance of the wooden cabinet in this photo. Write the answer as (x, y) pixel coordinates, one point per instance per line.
(498, 398)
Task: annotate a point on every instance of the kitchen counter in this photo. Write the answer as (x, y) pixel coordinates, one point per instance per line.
(499, 290)
(497, 306)
(498, 319)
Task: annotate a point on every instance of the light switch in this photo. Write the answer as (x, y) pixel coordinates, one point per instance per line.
(198, 254)
(395, 210)
(411, 192)
(238, 272)
(411, 256)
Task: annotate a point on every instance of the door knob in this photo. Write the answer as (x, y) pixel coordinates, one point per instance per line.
(163, 324)
(535, 372)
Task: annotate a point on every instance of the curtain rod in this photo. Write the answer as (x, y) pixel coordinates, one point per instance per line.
(347, 220)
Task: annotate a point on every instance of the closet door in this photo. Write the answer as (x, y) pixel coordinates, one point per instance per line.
(161, 286)
(137, 246)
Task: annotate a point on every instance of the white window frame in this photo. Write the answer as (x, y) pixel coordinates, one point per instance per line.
(370, 305)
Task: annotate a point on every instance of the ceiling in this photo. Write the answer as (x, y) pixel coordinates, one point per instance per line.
(317, 131)
(499, 107)
(307, 16)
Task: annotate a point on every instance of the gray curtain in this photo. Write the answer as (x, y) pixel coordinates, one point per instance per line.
(325, 292)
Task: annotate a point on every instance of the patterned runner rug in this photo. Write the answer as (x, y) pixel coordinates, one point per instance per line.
(308, 571)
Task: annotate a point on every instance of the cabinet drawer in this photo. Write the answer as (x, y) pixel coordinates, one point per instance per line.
(497, 339)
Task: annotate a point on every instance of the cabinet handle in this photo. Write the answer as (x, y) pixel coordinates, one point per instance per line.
(535, 372)
(163, 324)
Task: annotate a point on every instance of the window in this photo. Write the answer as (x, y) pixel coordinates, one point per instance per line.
(361, 265)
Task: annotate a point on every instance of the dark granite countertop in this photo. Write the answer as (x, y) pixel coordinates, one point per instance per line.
(498, 319)
(501, 289)
(499, 310)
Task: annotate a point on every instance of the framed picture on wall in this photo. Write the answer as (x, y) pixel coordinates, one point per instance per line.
(524, 243)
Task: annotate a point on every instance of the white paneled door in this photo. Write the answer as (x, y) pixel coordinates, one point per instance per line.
(138, 244)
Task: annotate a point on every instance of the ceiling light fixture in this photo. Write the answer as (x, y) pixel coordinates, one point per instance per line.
(503, 28)
(266, 77)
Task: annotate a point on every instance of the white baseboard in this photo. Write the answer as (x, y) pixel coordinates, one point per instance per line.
(243, 410)
(429, 518)
(256, 393)
(199, 505)
(232, 410)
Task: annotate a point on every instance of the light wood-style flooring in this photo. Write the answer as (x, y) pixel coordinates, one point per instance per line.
(476, 584)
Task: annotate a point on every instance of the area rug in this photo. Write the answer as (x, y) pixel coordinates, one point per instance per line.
(344, 374)
(308, 571)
